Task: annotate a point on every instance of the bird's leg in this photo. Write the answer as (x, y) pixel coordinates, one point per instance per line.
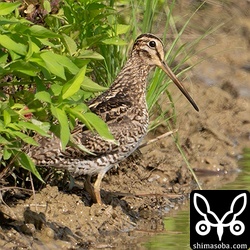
(94, 191)
(90, 189)
(97, 188)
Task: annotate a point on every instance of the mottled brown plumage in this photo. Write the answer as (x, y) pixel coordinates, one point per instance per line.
(123, 107)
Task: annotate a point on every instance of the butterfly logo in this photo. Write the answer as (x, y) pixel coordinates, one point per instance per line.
(210, 219)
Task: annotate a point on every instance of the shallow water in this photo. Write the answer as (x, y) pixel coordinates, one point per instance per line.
(176, 234)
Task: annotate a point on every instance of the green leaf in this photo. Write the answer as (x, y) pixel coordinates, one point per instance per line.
(6, 153)
(89, 54)
(56, 89)
(80, 146)
(33, 127)
(4, 21)
(72, 86)
(78, 96)
(47, 42)
(82, 108)
(9, 44)
(6, 118)
(89, 85)
(2, 127)
(41, 64)
(80, 62)
(53, 65)
(14, 56)
(114, 41)
(43, 96)
(122, 29)
(24, 68)
(17, 106)
(46, 5)
(28, 164)
(41, 32)
(32, 48)
(57, 64)
(70, 44)
(13, 126)
(99, 125)
(24, 137)
(3, 141)
(3, 59)
(64, 125)
(7, 8)
(45, 126)
(67, 63)
(77, 113)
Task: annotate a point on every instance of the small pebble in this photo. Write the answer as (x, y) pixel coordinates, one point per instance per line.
(49, 232)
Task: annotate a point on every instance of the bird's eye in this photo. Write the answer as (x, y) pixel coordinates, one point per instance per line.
(152, 44)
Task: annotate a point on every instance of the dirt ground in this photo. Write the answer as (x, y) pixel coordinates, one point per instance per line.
(141, 191)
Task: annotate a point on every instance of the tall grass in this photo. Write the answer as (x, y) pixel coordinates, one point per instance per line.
(158, 17)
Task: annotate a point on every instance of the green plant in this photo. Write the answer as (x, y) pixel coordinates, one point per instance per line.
(245, 160)
(158, 16)
(45, 72)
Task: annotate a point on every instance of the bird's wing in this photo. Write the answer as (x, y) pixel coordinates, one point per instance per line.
(110, 107)
(97, 145)
(83, 145)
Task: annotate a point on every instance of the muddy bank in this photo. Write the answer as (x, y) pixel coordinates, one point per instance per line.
(141, 191)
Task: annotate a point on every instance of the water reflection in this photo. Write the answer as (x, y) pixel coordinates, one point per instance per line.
(176, 234)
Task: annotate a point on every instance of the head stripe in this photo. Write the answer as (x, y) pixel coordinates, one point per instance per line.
(148, 35)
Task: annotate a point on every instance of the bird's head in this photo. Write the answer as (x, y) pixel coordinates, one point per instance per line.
(150, 49)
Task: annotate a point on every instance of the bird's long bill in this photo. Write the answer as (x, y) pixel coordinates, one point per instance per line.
(170, 73)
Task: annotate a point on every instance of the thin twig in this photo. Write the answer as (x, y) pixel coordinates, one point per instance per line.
(170, 196)
(32, 185)
(10, 210)
(8, 188)
(160, 137)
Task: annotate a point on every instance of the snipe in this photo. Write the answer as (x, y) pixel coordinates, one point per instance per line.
(123, 107)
